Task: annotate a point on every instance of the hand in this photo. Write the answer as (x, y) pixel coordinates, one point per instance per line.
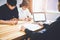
(14, 19)
(40, 24)
(23, 28)
(27, 19)
(11, 22)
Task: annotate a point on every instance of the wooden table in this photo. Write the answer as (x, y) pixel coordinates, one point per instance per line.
(8, 32)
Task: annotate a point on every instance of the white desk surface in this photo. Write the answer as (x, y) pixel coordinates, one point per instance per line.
(12, 31)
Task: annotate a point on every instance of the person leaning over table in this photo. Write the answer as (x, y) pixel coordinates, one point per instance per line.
(9, 13)
(34, 35)
(52, 32)
(24, 13)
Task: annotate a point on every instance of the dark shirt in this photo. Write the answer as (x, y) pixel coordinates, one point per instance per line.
(7, 14)
(53, 33)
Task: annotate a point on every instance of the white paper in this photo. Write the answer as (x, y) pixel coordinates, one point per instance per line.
(32, 27)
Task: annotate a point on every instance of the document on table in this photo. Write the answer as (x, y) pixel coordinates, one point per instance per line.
(32, 27)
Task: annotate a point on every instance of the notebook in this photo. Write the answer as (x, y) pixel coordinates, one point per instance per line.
(32, 27)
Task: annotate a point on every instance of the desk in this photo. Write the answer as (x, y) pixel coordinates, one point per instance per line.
(8, 32)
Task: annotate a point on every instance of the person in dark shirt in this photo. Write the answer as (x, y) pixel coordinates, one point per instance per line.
(9, 12)
(53, 32)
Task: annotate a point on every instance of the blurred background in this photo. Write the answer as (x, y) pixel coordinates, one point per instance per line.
(50, 7)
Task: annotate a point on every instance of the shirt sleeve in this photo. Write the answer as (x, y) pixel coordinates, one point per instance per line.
(29, 14)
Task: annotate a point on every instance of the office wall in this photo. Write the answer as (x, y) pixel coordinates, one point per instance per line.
(52, 16)
(52, 5)
(38, 5)
(44, 5)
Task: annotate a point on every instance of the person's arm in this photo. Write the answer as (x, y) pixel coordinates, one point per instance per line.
(29, 15)
(27, 31)
(31, 34)
(10, 22)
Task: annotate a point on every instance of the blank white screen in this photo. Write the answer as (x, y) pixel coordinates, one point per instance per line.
(39, 17)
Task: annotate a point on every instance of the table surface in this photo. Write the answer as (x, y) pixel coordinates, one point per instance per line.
(12, 31)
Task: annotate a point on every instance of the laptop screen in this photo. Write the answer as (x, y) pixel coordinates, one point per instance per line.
(39, 17)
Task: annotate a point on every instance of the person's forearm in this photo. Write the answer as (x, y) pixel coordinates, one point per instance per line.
(3, 22)
(8, 22)
(14, 19)
(29, 32)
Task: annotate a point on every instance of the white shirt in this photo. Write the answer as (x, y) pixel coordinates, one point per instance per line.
(24, 13)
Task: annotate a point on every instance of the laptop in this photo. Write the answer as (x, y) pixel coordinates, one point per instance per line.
(39, 17)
